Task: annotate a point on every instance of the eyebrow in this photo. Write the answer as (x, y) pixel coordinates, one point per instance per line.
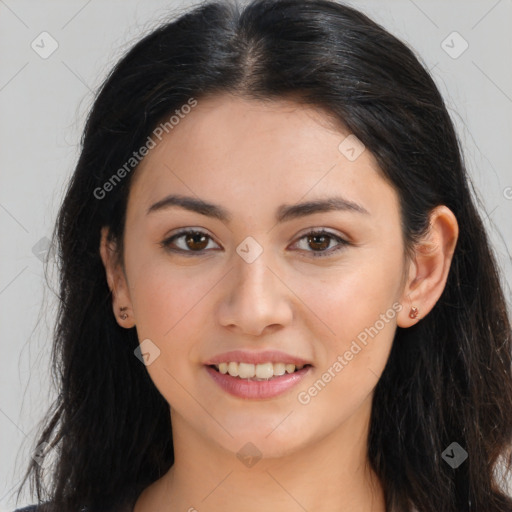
(284, 212)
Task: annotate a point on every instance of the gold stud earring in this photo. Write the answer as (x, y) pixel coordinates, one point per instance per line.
(414, 312)
(124, 316)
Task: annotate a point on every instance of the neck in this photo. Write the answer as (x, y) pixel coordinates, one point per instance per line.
(329, 474)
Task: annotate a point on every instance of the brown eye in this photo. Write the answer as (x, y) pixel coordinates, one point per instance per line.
(193, 242)
(188, 241)
(318, 243)
(196, 241)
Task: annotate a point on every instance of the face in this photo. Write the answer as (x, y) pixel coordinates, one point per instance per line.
(261, 275)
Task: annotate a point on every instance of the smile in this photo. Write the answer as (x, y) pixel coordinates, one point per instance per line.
(263, 371)
(248, 384)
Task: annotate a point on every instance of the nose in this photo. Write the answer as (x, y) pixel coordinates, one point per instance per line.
(255, 298)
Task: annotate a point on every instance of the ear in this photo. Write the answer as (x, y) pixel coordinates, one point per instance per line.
(429, 268)
(116, 279)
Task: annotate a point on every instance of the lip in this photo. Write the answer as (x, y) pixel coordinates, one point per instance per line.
(257, 389)
(267, 356)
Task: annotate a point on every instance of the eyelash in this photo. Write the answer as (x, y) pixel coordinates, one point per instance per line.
(316, 254)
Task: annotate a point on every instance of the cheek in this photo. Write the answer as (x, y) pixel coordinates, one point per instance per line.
(355, 294)
(165, 295)
(350, 366)
(358, 307)
(163, 304)
(169, 306)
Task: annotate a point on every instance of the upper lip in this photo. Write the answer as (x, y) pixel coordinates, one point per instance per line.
(267, 356)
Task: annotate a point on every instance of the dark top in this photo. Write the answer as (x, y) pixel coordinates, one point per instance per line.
(127, 507)
(37, 508)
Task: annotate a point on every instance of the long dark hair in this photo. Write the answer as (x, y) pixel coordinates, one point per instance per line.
(448, 378)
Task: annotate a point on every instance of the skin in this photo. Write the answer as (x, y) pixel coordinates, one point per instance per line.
(250, 157)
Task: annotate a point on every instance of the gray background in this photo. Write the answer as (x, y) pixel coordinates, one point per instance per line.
(44, 101)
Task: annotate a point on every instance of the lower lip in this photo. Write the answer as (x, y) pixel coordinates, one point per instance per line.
(257, 389)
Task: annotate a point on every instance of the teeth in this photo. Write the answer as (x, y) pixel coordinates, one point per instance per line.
(233, 369)
(279, 368)
(264, 371)
(245, 370)
(256, 371)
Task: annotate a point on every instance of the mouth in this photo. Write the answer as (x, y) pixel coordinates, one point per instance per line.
(259, 381)
(257, 372)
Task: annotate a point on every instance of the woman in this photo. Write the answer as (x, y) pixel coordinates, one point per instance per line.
(276, 290)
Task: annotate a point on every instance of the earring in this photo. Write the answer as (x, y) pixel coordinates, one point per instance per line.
(124, 316)
(414, 312)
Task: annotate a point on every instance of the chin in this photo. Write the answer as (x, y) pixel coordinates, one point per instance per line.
(266, 439)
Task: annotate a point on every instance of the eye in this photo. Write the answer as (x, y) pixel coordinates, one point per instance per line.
(320, 241)
(191, 241)
(196, 242)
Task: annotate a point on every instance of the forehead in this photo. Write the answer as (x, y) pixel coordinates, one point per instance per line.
(256, 151)
(230, 126)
